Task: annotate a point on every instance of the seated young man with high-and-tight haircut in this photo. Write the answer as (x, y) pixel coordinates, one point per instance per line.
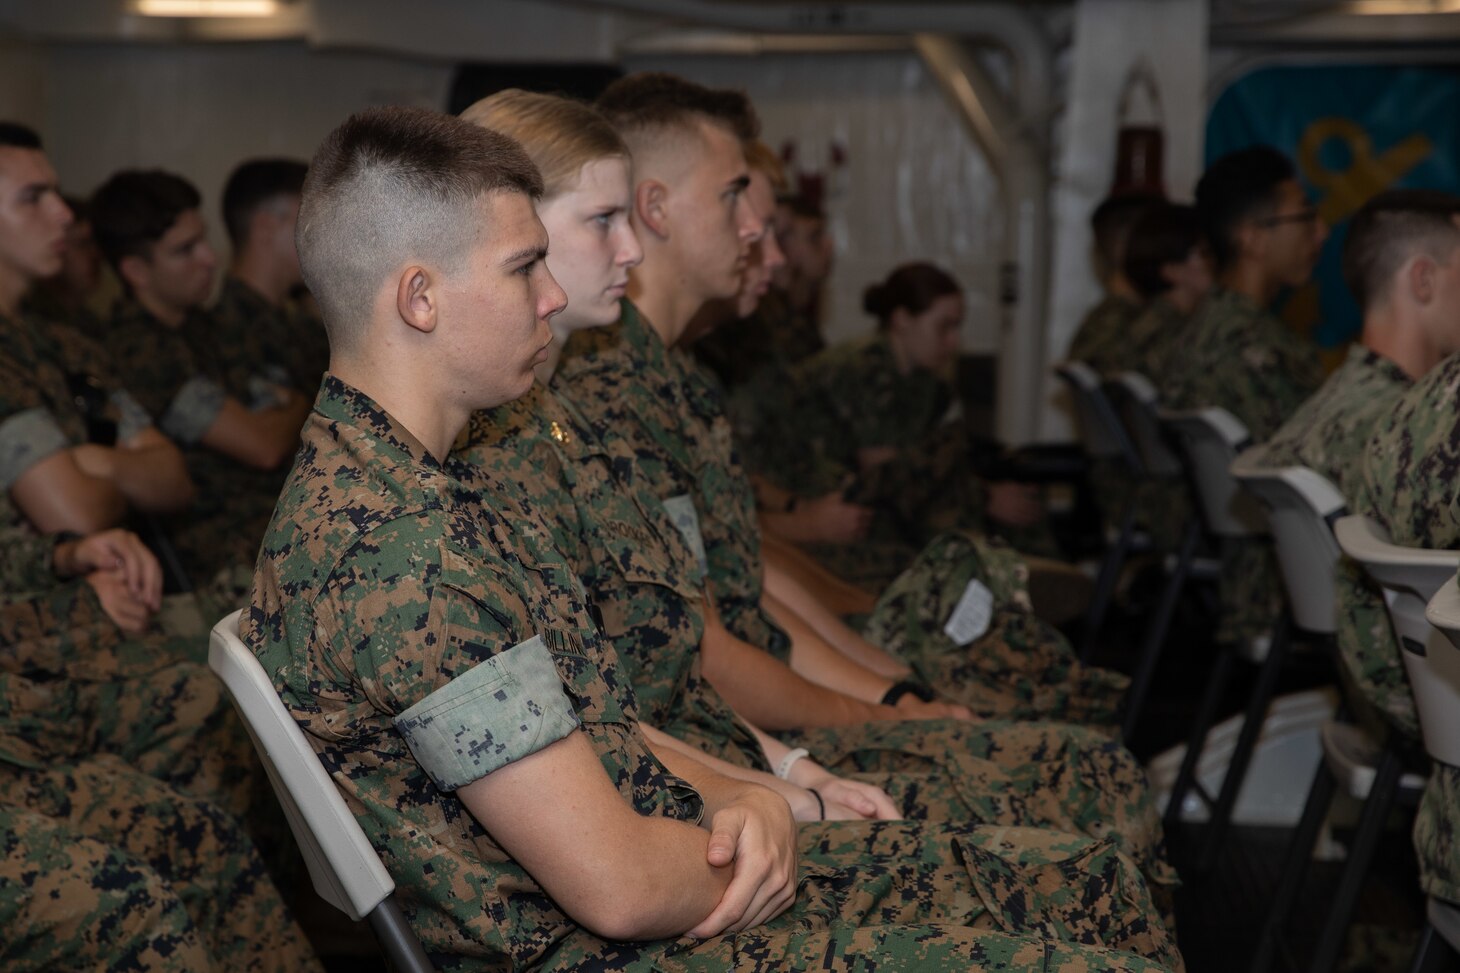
(442, 659)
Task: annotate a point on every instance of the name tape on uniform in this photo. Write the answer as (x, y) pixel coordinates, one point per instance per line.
(971, 616)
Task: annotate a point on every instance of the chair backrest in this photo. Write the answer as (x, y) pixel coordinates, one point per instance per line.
(1442, 690)
(1301, 506)
(1101, 432)
(1135, 402)
(1410, 577)
(1211, 438)
(346, 871)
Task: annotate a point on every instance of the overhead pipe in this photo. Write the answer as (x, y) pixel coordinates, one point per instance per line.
(1014, 138)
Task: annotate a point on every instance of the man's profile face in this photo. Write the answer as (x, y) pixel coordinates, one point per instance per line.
(1291, 236)
(496, 305)
(807, 246)
(712, 222)
(765, 253)
(33, 218)
(178, 271)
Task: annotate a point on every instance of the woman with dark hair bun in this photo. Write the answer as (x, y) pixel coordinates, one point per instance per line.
(882, 413)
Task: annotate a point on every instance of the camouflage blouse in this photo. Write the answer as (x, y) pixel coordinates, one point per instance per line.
(422, 630)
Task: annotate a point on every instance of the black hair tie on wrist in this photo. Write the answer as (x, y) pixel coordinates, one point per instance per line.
(905, 688)
(820, 804)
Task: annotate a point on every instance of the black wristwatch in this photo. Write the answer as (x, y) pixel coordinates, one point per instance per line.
(905, 688)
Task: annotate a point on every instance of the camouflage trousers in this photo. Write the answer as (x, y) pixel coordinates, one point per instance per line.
(1036, 775)
(70, 902)
(197, 849)
(896, 895)
(1370, 653)
(1020, 668)
(1250, 591)
(1434, 834)
(174, 724)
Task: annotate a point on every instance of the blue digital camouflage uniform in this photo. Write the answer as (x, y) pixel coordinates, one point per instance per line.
(1237, 355)
(1408, 485)
(1328, 434)
(424, 639)
(633, 390)
(605, 519)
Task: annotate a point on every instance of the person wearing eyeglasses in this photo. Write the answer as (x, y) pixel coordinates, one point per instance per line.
(1265, 235)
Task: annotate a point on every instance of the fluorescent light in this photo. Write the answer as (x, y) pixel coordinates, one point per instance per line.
(207, 8)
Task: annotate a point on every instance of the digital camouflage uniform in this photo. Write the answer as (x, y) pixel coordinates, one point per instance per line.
(1102, 340)
(634, 391)
(1237, 355)
(608, 523)
(424, 639)
(184, 380)
(70, 902)
(44, 371)
(196, 848)
(258, 343)
(1162, 505)
(1328, 434)
(754, 360)
(47, 305)
(1409, 486)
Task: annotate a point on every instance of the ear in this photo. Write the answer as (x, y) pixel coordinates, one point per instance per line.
(1420, 278)
(134, 271)
(651, 207)
(1249, 239)
(415, 299)
(899, 320)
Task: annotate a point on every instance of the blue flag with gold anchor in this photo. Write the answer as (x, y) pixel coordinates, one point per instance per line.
(1352, 131)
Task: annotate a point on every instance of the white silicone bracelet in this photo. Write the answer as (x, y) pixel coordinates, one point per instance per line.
(783, 769)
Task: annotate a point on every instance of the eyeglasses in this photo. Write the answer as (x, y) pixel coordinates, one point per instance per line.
(1309, 215)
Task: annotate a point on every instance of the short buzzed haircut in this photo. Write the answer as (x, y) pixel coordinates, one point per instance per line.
(1238, 187)
(134, 208)
(391, 185)
(1166, 233)
(14, 135)
(648, 106)
(1391, 228)
(1111, 224)
(256, 183)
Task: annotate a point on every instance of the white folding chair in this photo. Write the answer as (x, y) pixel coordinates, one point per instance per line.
(1438, 706)
(346, 871)
(1137, 404)
(1211, 440)
(1302, 506)
(1104, 438)
(1409, 577)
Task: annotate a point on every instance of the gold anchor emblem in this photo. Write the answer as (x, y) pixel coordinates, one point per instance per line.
(559, 433)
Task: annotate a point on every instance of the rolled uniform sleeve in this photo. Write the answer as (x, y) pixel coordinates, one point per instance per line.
(26, 438)
(193, 409)
(503, 709)
(131, 417)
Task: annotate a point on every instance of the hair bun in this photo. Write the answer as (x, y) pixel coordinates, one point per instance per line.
(874, 300)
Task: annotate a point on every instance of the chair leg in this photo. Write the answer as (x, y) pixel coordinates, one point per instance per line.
(1295, 867)
(1433, 954)
(1110, 568)
(1371, 826)
(1211, 704)
(397, 940)
(1247, 740)
(1155, 637)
